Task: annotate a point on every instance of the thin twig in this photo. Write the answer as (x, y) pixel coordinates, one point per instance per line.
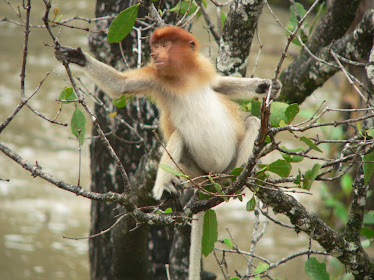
(290, 38)
(44, 117)
(25, 49)
(315, 125)
(220, 265)
(81, 100)
(341, 67)
(101, 233)
(22, 103)
(258, 53)
(274, 220)
(210, 25)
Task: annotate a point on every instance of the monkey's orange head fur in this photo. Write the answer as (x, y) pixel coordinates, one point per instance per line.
(175, 35)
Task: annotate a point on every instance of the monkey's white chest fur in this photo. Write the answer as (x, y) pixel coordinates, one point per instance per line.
(207, 128)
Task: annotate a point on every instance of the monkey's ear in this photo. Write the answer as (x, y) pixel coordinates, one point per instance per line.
(192, 45)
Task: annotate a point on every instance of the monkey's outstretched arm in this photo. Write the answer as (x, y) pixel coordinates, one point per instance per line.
(244, 88)
(113, 82)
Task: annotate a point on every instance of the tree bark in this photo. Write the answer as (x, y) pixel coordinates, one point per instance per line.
(238, 32)
(123, 252)
(305, 73)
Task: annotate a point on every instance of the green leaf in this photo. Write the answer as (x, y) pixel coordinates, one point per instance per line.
(251, 205)
(256, 107)
(359, 129)
(291, 112)
(280, 167)
(210, 233)
(316, 270)
(68, 94)
(298, 178)
(310, 143)
(278, 113)
(346, 184)
(341, 213)
(228, 242)
(123, 100)
(223, 19)
(282, 123)
(261, 175)
(168, 210)
(369, 218)
(235, 278)
(237, 170)
(182, 7)
(293, 158)
(262, 267)
(78, 125)
(122, 24)
(310, 176)
(170, 170)
(370, 132)
(208, 188)
(216, 186)
(367, 232)
(292, 23)
(58, 19)
(368, 166)
(264, 168)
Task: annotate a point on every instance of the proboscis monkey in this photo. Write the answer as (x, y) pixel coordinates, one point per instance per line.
(203, 128)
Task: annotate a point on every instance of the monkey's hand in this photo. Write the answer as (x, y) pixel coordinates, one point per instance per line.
(264, 85)
(70, 55)
(165, 191)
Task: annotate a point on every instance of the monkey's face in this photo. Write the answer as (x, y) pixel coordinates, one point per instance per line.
(172, 58)
(160, 53)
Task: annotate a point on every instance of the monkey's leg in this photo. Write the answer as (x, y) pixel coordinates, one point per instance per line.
(252, 126)
(172, 155)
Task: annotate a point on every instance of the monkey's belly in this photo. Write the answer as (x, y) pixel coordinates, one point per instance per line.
(207, 128)
(211, 149)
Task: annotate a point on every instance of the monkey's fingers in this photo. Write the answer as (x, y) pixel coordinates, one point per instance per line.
(263, 86)
(70, 55)
(276, 87)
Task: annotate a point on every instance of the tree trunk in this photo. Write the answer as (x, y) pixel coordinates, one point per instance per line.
(238, 32)
(305, 74)
(123, 252)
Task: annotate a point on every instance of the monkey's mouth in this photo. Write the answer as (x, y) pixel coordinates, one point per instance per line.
(159, 63)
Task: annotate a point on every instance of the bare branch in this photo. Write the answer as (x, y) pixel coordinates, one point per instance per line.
(25, 48)
(341, 67)
(93, 118)
(122, 199)
(153, 12)
(216, 33)
(291, 37)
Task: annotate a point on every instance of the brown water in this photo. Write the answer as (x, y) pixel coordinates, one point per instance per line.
(34, 215)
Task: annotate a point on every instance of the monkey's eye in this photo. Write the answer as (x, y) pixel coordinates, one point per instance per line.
(156, 45)
(165, 44)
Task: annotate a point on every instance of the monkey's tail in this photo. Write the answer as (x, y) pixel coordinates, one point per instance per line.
(195, 249)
